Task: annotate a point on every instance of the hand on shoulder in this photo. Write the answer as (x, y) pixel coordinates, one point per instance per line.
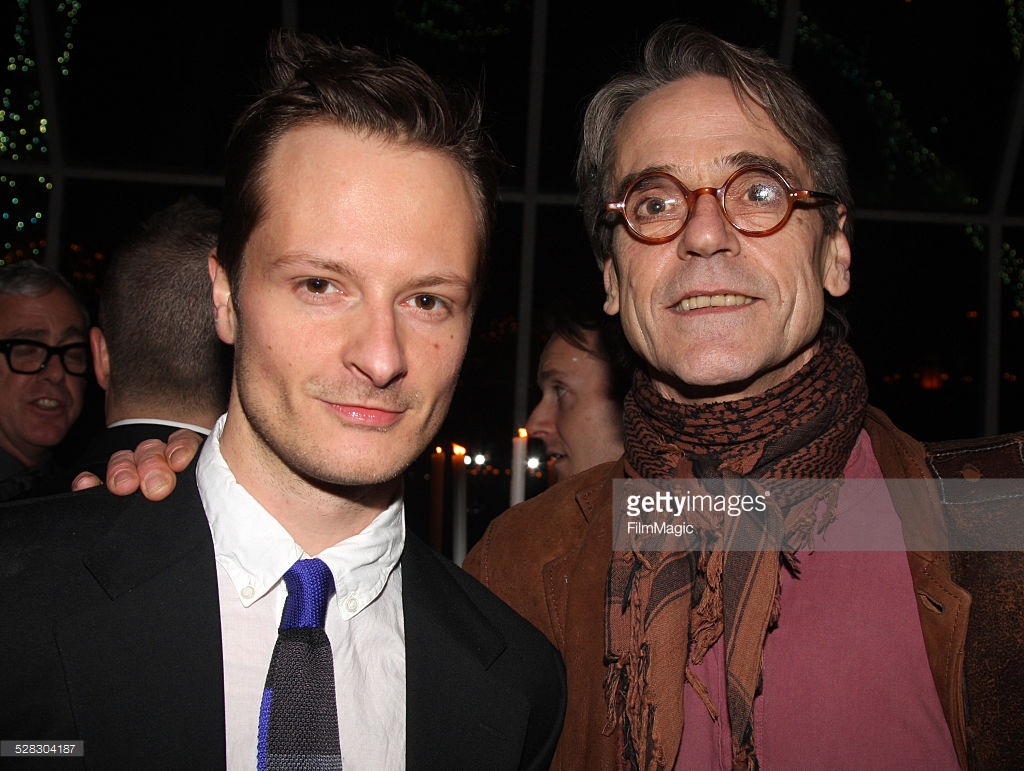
(152, 467)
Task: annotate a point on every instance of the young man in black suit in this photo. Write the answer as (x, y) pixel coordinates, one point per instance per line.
(358, 207)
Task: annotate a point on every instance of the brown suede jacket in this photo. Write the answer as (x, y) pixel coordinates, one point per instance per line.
(548, 559)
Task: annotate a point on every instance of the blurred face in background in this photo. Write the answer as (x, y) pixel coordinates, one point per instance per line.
(577, 419)
(37, 410)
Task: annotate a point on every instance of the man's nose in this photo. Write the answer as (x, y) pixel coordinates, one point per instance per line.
(708, 231)
(540, 423)
(53, 369)
(375, 347)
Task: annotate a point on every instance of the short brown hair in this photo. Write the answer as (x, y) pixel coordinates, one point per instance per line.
(310, 81)
(156, 312)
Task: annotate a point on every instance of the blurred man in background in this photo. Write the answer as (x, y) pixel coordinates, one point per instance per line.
(155, 349)
(43, 338)
(583, 374)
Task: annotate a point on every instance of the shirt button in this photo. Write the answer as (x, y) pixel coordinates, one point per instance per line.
(351, 604)
(248, 592)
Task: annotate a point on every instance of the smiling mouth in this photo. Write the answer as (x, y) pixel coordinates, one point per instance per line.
(712, 301)
(45, 403)
(372, 417)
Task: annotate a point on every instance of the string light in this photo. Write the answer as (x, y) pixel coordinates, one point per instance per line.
(23, 126)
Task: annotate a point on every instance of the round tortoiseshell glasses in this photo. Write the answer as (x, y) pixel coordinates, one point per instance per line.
(756, 200)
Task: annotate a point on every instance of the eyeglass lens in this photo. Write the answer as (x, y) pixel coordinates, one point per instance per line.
(27, 357)
(755, 200)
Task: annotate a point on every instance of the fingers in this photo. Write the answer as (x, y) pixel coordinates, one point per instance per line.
(85, 480)
(152, 468)
(182, 446)
(122, 476)
(156, 477)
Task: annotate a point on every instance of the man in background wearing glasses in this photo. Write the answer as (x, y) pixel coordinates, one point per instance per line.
(44, 340)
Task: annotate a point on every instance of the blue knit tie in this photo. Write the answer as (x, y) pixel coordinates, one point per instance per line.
(299, 712)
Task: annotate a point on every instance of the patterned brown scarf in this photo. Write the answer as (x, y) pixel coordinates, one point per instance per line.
(662, 605)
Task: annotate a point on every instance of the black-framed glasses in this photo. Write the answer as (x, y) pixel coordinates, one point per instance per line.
(756, 200)
(27, 357)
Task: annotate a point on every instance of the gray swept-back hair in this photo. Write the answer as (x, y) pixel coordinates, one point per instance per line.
(27, 278)
(675, 51)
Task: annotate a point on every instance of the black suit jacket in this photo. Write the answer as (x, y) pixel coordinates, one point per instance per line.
(110, 633)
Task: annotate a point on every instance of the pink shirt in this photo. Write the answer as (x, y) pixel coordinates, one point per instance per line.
(846, 677)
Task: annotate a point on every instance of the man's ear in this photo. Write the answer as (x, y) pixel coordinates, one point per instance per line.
(223, 309)
(611, 287)
(100, 357)
(836, 260)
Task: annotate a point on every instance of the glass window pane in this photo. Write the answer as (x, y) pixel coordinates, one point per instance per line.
(919, 328)
(923, 116)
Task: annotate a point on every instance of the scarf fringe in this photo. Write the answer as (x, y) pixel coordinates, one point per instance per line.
(803, 429)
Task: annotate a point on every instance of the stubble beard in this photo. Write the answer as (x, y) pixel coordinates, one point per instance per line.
(279, 437)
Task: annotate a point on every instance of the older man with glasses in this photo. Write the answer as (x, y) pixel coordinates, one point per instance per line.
(44, 339)
(765, 637)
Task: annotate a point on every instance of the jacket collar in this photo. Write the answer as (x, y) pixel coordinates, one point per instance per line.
(595, 487)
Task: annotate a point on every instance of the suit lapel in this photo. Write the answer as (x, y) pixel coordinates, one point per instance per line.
(143, 662)
(458, 714)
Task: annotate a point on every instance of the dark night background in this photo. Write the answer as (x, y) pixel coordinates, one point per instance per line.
(923, 94)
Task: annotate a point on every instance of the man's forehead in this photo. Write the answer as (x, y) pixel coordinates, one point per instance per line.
(318, 142)
(354, 203)
(328, 159)
(698, 127)
(561, 354)
(37, 316)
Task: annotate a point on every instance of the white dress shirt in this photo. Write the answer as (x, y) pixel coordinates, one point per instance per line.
(364, 620)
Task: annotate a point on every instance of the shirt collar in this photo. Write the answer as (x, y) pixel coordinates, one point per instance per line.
(160, 422)
(255, 550)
